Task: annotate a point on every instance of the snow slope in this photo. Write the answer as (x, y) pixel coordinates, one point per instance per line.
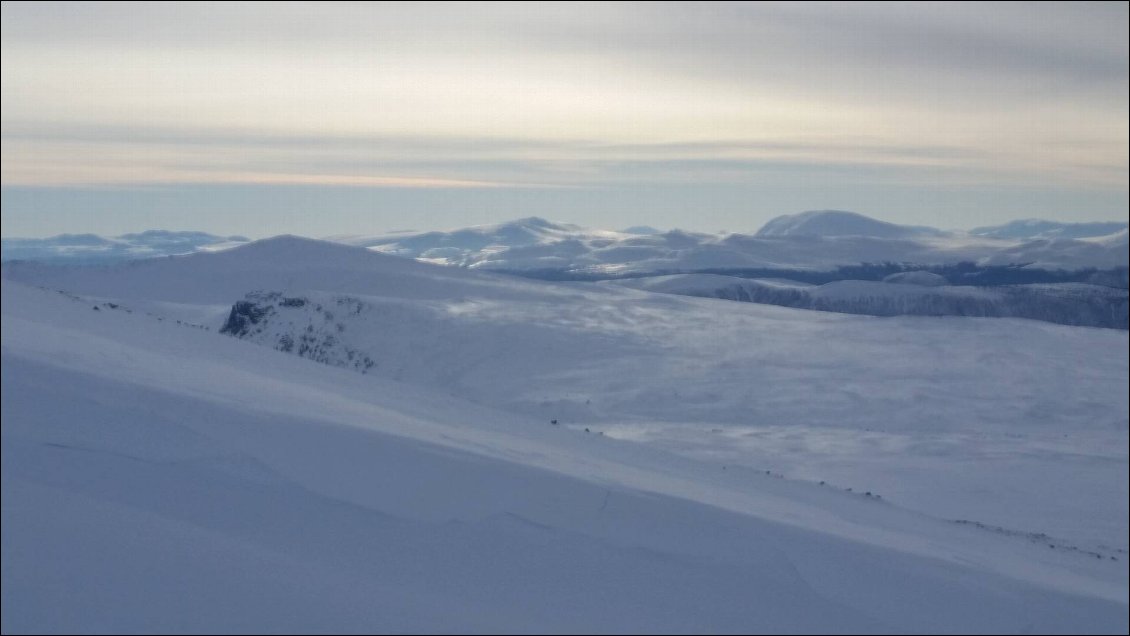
(282, 263)
(159, 475)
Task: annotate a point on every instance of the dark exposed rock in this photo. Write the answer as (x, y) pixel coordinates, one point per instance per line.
(244, 314)
(277, 321)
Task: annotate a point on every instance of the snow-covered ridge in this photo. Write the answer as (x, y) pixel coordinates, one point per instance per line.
(829, 223)
(550, 244)
(1038, 229)
(282, 263)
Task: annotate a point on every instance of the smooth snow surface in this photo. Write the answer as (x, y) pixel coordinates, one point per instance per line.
(745, 468)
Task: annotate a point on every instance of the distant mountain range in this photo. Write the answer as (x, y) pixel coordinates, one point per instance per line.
(91, 248)
(815, 241)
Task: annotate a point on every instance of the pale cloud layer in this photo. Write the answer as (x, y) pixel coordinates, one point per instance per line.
(549, 97)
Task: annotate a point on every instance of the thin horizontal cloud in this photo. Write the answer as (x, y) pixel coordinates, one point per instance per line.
(42, 154)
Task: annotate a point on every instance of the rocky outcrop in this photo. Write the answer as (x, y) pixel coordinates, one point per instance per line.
(299, 326)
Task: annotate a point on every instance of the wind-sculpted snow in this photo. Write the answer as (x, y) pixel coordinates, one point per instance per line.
(913, 294)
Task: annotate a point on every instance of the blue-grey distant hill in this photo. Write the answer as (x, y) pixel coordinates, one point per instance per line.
(1039, 229)
(91, 248)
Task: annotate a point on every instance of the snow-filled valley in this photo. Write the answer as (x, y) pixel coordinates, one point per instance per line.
(296, 435)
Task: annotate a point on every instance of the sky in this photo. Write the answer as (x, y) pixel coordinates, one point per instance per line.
(337, 118)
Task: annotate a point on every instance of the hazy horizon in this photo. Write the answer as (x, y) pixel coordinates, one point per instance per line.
(556, 221)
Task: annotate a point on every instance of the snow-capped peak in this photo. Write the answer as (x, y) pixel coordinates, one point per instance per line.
(827, 223)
